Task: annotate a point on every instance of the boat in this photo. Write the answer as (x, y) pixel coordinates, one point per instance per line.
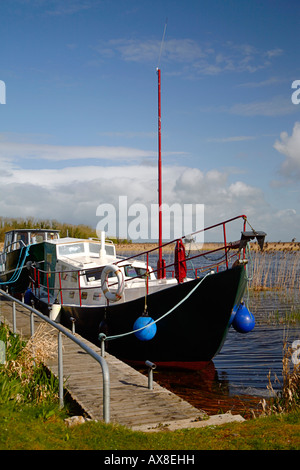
(174, 320)
(170, 314)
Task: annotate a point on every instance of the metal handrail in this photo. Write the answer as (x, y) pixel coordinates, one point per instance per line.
(87, 349)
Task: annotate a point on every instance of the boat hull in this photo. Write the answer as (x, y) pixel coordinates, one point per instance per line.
(192, 333)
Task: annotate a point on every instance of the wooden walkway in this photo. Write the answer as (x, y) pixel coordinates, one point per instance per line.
(132, 404)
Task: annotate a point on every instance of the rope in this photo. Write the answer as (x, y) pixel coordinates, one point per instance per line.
(18, 269)
(253, 230)
(248, 278)
(102, 336)
(146, 280)
(249, 257)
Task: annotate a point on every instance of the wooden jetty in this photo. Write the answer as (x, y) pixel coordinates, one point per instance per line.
(132, 403)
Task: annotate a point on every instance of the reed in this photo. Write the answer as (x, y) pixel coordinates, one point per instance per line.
(274, 270)
(288, 398)
(66, 229)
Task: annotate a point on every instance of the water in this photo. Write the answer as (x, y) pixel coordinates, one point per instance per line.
(237, 379)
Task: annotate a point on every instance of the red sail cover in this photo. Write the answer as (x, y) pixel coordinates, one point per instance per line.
(180, 263)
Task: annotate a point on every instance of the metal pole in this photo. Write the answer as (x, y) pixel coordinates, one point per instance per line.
(73, 320)
(60, 371)
(61, 296)
(48, 288)
(79, 289)
(103, 347)
(225, 245)
(14, 317)
(160, 275)
(151, 368)
(31, 323)
(147, 273)
(106, 394)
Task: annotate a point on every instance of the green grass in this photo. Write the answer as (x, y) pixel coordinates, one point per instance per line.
(30, 419)
(33, 428)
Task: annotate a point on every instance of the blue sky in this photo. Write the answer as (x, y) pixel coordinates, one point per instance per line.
(79, 127)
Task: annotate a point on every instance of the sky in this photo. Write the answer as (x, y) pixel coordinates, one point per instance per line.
(79, 110)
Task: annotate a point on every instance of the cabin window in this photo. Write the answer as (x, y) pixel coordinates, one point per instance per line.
(84, 295)
(110, 250)
(71, 294)
(37, 237)
(141, 272)
(52, 236)
(23, 237)
(97, 296)
(95, 248)
(72, 249)
(130, 271)
(134, 271)
(93, 274)
(8, 241)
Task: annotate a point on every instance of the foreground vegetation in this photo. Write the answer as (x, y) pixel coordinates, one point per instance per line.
(36, 428)
(30, 417)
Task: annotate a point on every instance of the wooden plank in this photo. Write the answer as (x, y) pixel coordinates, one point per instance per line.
(131, 402)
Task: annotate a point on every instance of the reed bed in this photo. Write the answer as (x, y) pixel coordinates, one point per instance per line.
(277, 270)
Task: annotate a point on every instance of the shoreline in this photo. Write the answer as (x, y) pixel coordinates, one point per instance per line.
(268, 247)
(141, 247)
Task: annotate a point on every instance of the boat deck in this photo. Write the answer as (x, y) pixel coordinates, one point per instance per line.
(132, 404)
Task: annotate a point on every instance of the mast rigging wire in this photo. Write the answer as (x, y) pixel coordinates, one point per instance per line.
(162, 42)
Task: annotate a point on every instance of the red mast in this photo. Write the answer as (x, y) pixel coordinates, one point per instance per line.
(161, 262)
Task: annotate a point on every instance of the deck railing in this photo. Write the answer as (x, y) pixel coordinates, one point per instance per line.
(225, 247)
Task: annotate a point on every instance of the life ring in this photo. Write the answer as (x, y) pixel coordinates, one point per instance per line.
(112, 296)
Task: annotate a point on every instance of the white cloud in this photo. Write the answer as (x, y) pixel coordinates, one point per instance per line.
(198, 59)
(182, 50)
(73, 193)
(238, 138)
(67, 8)
(274, 52)
(277, 106)
(15, 150)
(58, 8)
(263, 83)
(289, 146)
(129, 135)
